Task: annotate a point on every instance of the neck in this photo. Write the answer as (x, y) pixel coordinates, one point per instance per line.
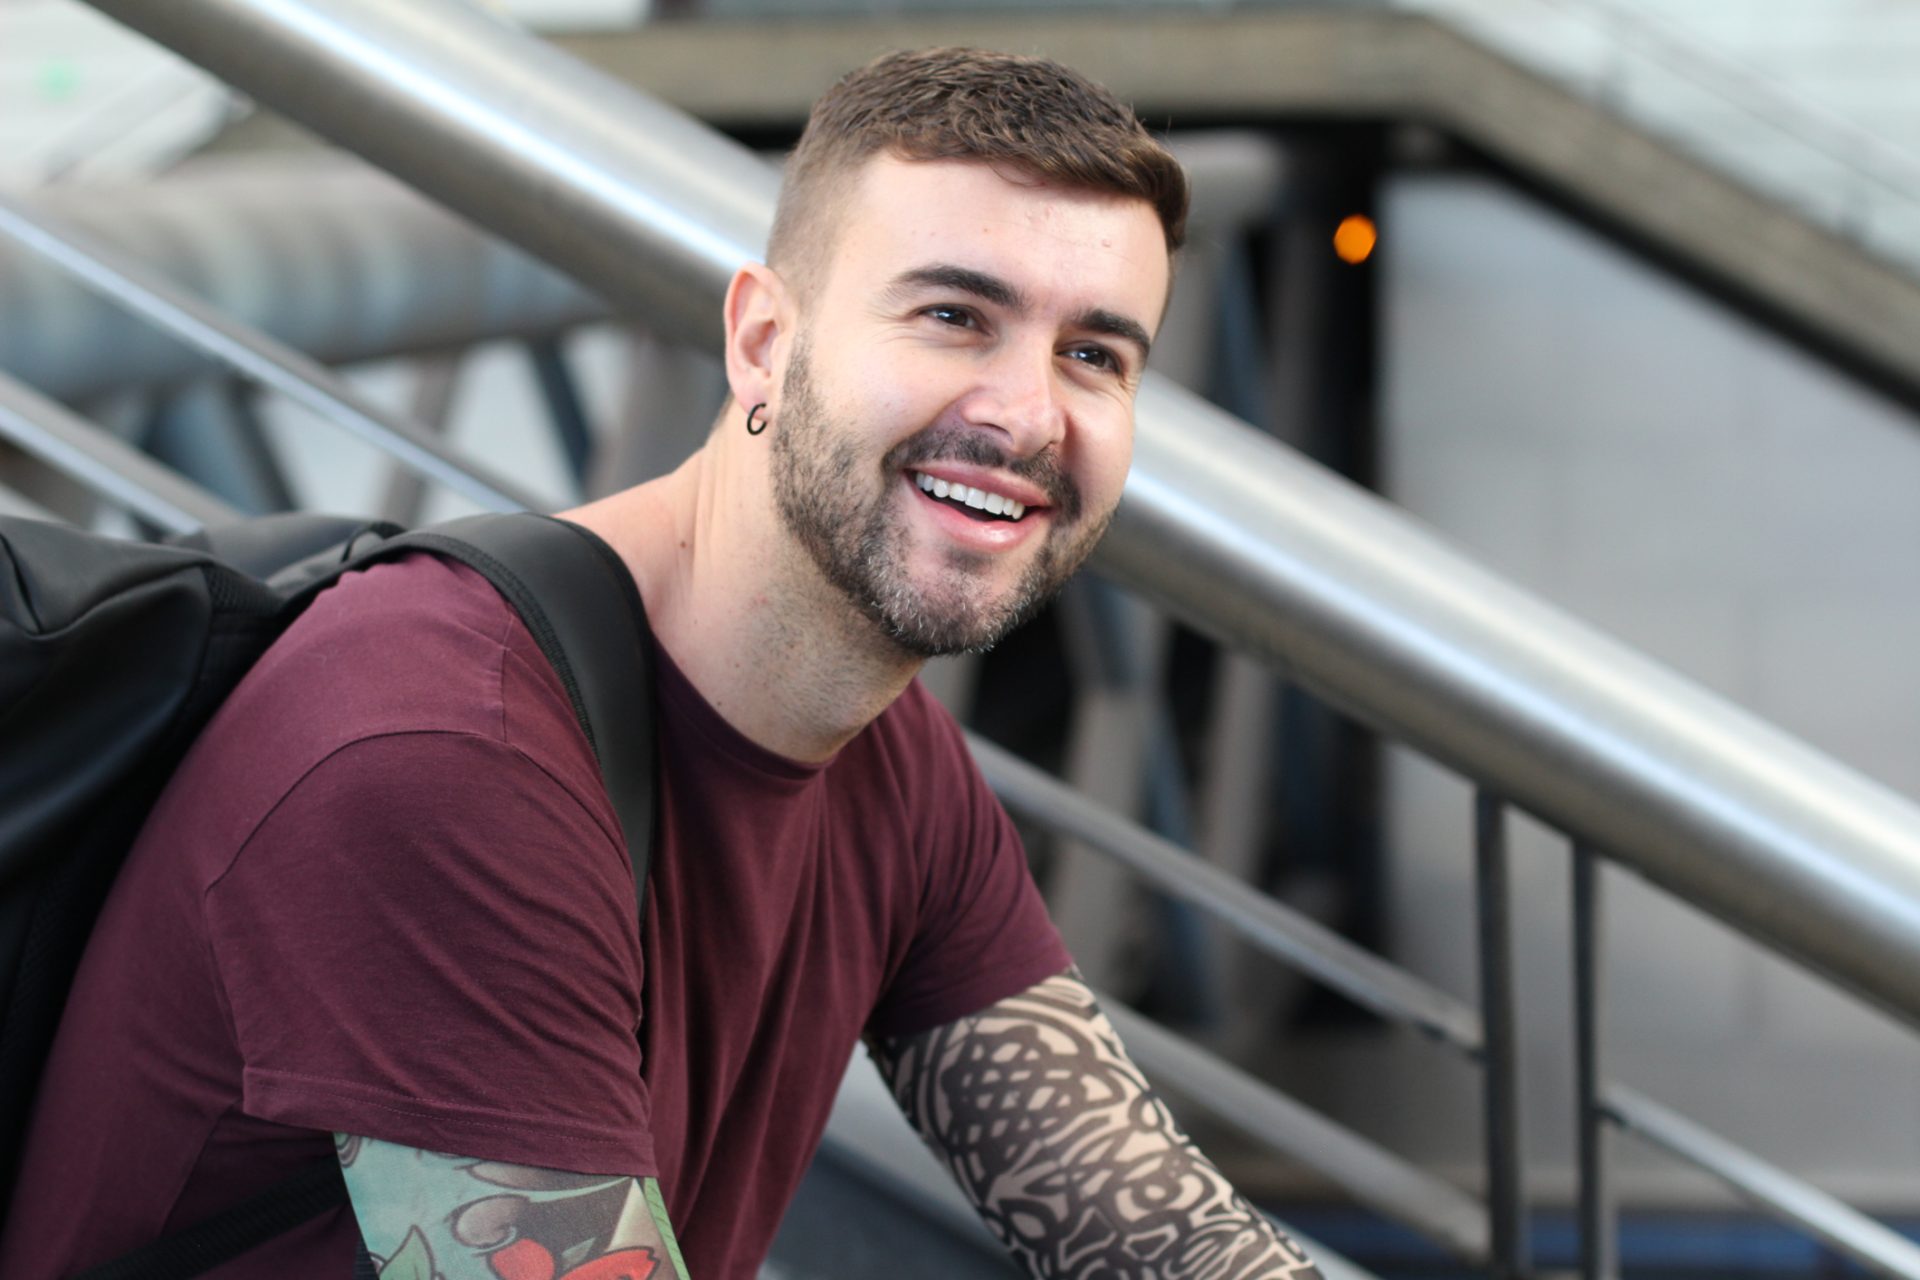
(777, 651)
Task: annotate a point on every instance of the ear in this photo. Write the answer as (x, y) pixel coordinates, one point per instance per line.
(758, 314)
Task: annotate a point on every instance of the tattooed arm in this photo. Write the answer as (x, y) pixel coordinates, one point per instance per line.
(1070, 1157)
(437, 1217)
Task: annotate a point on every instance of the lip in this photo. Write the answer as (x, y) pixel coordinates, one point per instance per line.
(983, 536)
(1021, 491)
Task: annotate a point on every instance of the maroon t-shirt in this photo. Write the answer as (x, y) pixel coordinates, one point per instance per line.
(385, 894)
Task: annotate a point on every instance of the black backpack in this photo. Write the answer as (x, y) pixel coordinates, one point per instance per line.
(113, 654)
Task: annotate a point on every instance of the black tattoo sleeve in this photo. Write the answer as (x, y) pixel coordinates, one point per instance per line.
(1068, 1154)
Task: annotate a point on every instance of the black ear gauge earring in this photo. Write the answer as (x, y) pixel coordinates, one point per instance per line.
(753, 430)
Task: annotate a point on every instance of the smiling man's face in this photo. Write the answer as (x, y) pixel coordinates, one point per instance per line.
(956, 415)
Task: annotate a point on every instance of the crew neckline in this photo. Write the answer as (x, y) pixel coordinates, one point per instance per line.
(688, 706)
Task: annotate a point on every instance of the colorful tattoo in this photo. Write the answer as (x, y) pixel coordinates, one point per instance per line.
(1067, 1153)
(426, 1216)
(657, 1206)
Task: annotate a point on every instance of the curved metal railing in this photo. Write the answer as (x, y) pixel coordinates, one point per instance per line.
(1230, 530)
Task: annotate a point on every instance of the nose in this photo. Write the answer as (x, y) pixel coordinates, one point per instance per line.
(1020, 394)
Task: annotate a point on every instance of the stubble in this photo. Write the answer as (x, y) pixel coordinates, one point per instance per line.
(842, 509)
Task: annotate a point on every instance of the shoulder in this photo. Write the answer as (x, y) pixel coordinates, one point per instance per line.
(420, 656)
(419, 643)
(424, 811)
(393, 645)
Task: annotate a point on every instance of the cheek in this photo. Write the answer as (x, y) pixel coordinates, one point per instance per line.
(888, 393)
(1108, 456)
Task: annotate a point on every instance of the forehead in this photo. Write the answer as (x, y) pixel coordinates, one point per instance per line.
(1070, 249)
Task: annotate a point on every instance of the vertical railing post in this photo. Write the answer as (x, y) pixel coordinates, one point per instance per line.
(566, 410)
(1598, 1257)
(1506, 1205)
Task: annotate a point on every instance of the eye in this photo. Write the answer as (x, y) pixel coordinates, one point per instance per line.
(1097, 357)
(957, 317)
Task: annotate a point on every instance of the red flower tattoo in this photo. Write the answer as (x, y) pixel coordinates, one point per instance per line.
(531, 1260)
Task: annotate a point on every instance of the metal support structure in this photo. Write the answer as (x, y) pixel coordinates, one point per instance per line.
(18, 504)
(638, 201)
(1116, 645)
(1356, 973)
(207, 430)
(1397, 1189)
(567, 412)
(1599, 1248)
(105, 464)
(868, 1133)
(1234, 799)
(1841, 1228)
(671, 394)
(1506, 1191)
(436, 377)
(1226, 528)
(259, 357)
(330, 256)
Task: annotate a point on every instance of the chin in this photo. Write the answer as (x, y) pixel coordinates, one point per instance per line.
(937, 625)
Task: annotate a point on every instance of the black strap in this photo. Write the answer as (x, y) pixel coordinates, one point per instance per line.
(578, 600)
(274, 1212)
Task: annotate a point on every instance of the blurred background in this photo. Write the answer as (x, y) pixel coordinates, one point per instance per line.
(1619, 298)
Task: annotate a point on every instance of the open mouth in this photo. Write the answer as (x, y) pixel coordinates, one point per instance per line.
(981, 504)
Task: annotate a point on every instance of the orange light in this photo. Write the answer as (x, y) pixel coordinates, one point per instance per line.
(1355, 237)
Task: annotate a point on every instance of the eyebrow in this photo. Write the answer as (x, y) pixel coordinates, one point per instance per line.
(1115, 325)
(992, 289)
(941, 275)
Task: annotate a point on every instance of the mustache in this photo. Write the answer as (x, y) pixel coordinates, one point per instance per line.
(981, 449)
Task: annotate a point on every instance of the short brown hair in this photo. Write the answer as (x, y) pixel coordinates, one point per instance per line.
(1030, 115)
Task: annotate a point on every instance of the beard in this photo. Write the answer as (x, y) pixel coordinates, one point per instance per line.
(862, 549)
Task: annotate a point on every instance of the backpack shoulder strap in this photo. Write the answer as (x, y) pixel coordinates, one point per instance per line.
(279, 1209)
(576, 596)
(578, 599)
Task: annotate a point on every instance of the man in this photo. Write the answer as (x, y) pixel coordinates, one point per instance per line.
(384, 904)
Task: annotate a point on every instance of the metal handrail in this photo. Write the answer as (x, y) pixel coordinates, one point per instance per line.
(1881, 1249)
(868, 1136)
(15, 503)
(629, 196)
(1231, 530)
(1288, 935)
(342, 263)
(102, 268)
(108, 466)
(334, 259)
(1373, 1177)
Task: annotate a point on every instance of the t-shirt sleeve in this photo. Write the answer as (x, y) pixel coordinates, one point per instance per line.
(431, 941)
(983, 932)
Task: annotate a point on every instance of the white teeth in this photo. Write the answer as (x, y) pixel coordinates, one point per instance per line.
(978, 499)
